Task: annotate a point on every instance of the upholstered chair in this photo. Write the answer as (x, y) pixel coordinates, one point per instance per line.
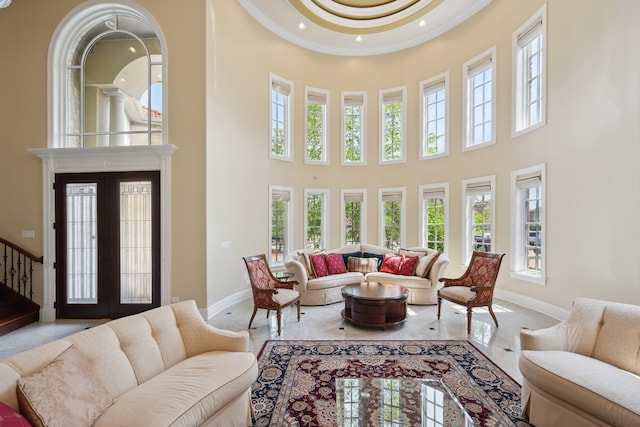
(269, 292)
(475, 287)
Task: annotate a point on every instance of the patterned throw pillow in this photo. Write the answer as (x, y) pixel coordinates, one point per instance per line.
(11, 418)
(391, 263)
(66, 392)
(407, 252)
(379, 257)
(362, 265)
(335, 264)
(345, 257)
(306, 262)
(319, 265)
(408, 265)
(425, 263)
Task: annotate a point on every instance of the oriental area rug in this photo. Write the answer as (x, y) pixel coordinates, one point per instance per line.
(296, 384)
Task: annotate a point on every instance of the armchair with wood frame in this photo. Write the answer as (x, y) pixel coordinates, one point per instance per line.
(475, 287)
(269, 292)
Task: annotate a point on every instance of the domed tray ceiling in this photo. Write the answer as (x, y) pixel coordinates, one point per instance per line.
(360, 27)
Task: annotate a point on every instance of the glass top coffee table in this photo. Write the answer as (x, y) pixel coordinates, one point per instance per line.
(395, 402)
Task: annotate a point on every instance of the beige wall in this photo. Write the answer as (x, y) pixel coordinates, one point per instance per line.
(219, 62)
(590, 144)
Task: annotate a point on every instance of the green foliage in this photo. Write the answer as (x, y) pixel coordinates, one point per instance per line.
(392, 134)
(315, 118)
(353, 131)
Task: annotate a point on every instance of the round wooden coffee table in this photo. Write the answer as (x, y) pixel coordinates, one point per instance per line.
(375, 304)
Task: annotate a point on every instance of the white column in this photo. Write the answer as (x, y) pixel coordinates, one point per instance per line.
(118, 121)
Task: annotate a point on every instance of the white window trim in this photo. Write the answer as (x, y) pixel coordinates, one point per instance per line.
(517, 270)
(403, 214)
(467, 221)
(363, 136)
(308, 93)
(444, 186)
(490, 54)
(289, 225)
(403, 126)
(363, 214)
(289, 118)
(441, 78)
(324, 242)
(517, 91)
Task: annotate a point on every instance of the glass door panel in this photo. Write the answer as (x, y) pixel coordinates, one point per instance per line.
(136, 255)
(82, 250)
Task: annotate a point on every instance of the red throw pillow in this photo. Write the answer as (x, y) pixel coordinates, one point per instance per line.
(335, 264)
(11, 418)
(391, 263)
(408, 265)
(319, 265)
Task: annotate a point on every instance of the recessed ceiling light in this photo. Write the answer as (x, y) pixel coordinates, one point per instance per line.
(123, 80)
(301, 26)
(132, 49)
(422, 23)
(359, 39)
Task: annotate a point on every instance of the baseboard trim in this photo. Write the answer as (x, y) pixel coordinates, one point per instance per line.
(526, 302)
(533, 304)
(225, 303)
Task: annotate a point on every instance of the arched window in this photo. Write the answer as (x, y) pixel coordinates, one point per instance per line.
(107, 71)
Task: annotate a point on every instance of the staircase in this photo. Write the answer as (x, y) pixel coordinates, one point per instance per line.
(16, 311)
(17, 308)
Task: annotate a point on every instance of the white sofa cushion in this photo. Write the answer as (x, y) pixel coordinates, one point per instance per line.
(185, 394)
(335, 280)
(397, 279)
(584, 382)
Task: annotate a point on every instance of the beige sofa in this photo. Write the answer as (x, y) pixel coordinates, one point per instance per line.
(163, 367)
(584, 371)
(328, 289)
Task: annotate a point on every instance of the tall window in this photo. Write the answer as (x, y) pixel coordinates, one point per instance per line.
(434, 209)
(353, 128)
(529, 74)
(434, 117)
(392, 217)
(392, 119)
(479, 217)
(354, 207)
(281, 123)
(119, 104)
(480, 95)
(528, 224)
(316, 147)
(280, 220)
(315, 218)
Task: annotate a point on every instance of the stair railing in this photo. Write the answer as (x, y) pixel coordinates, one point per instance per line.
(17, 268)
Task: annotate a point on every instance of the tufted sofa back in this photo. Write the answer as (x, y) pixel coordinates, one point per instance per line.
(124, 352)
(618, 340)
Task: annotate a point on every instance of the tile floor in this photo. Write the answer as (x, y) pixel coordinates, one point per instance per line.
(325, 323)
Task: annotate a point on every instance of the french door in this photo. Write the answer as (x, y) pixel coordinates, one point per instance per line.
(107, 244)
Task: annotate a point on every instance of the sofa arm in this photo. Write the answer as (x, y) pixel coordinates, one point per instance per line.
(576, 334)
(200, 337)
(553, 338)
(299, 273)
(438, 270)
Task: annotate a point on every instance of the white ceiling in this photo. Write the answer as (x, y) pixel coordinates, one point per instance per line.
(384, 26)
